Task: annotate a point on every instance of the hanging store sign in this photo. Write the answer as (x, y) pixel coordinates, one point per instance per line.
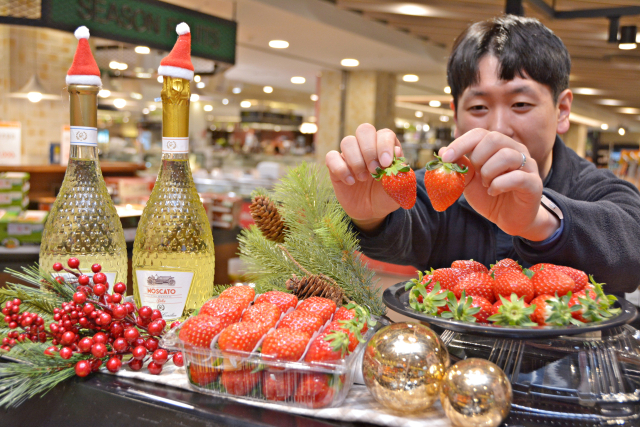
(143, 22)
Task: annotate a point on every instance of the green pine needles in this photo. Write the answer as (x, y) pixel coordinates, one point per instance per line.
(318, 237)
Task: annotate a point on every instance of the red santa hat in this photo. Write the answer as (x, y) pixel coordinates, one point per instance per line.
(84, 70)
(178, 62)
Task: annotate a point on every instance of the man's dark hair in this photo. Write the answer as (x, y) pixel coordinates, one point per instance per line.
(522, 46)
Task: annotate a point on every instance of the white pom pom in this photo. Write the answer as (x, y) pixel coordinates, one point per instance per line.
(183, 28)
(82, 33)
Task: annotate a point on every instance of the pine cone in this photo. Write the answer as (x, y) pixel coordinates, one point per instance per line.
(314, 286)
(265, 214)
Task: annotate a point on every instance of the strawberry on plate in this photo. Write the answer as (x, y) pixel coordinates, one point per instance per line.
(314, 390)
(470, 265)
(243, 336)
(432, 302)
(505, 263)
(512, 312)
(285, 344)
(302, 321)
(554, 310)
(476, 284)
(283, 300)
(278, 386)
(468, 309)
(511, 281)
(243, 293)
(594, 304)
(240, 383)
(551, 282)
(444, 183)
(228, 310)
(448, 277)
(322, 306)
(200, 330)
(265, 314)
(399, 182)
(579, 277)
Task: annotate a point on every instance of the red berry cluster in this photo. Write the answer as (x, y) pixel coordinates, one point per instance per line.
(97, 324)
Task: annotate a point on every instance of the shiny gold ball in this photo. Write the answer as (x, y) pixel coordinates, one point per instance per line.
(403, 366)
(474, 393)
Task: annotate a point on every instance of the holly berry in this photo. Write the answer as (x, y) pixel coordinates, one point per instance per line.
(85, 344)
(57, 266)
(120, 345)
(83, 280)
(114, 364)
(100, 337)
(96, 268)
(79, 298)
(99, 350)
(152, 344)
(120, 312)
(145, 312)
(73, 262)
(99, 289)
(99, 278)
(83, 368)
(119, 288)
(155, 328)
(66, 352)
(154, 368)
(139, 352)
(160, 356)
(178, 359)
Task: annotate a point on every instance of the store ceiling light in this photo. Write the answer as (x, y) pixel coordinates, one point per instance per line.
(196, 78)
(628, 110)
(236, 90)
(426, 128)
(604, 126)
(104, 93)
(267, 89)
(628, 37)
(208, 107)
(308, 128)
(411, 78)
(447, 89)
(245, 104)
(142, 50)
(612, 102)
(435, 103)
(194, 97)
(136, 95)
(444, 118)
(160, 79)
(413, 9)
(145, 111)
(115, 65)
(225, 101)
(314, 97)
(144, 75)
(297, 80)
(152, 107)
(349, 62)
(621, 131)
(34, 91)
(119, 103)
(586, 91)
(419, 114)
(200, 85)
(34, 96)
(279, 44)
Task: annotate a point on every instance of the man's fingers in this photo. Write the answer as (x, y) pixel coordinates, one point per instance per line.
(516, 180)
(504, 161)
(366, 137)
(491, 145)
(352, 154)
(386, 143)
(463, 145)
(338, 169)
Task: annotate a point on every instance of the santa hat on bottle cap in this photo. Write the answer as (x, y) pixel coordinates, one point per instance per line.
(84, 70)
(178, 62)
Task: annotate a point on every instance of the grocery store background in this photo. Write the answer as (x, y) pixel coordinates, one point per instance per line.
(278, 82)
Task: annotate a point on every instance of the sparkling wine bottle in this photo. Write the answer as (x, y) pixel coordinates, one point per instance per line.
(173, 255)
(83, 222)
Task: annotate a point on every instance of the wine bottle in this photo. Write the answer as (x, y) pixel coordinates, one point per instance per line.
(83, 222)
(173, 254)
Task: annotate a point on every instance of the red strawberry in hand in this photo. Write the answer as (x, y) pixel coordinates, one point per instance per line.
(444, 183)
(399, 182)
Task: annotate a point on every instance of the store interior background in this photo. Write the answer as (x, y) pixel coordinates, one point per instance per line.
(298, 102)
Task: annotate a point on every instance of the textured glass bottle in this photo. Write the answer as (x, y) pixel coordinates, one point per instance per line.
(83, 221)
(173, 260)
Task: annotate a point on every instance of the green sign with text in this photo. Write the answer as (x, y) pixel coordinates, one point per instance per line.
(145, 22)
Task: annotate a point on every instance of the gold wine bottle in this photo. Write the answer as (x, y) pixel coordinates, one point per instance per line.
(83, 222)
(173, 257)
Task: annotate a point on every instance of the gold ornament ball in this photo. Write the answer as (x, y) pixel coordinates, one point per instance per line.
(476, 393)
(403, 366)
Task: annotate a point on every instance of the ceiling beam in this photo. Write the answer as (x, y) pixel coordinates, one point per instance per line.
(607, 12)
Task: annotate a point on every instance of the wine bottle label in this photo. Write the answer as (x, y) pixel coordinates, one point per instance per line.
(82, 135)
(166, 291)
(175, 145)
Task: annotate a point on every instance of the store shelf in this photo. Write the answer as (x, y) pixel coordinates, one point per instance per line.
(126, 168)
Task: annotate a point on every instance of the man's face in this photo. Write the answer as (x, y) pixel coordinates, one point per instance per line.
(522, 109)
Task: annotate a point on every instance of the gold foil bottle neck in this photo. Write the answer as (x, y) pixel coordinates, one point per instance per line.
(176, 95)
(83, 104)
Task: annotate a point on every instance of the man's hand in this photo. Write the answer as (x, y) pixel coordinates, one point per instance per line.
(500, 190)
(361, 196)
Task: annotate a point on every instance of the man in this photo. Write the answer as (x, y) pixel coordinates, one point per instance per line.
(509, 80)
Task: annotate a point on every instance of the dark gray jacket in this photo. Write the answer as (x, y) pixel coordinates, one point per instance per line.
(601, 233)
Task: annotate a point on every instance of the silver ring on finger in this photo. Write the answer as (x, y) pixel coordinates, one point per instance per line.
(524, 160)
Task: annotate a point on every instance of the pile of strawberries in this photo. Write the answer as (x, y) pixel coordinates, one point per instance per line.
(508, 295)
(239, 346)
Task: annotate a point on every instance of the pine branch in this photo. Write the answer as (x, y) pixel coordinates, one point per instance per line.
(36, 375)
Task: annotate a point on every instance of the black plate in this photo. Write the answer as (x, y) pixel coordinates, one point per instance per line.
(397, 299)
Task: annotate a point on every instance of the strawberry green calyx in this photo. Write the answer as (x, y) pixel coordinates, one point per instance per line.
(339, 341)
(598, 308)
(398, 165)
(363, 317)
(513, 312)
(561, 312)
(460, 310)
(448, 167)
(431, 301)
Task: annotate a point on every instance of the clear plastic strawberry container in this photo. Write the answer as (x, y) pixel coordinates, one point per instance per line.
(251, 375)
